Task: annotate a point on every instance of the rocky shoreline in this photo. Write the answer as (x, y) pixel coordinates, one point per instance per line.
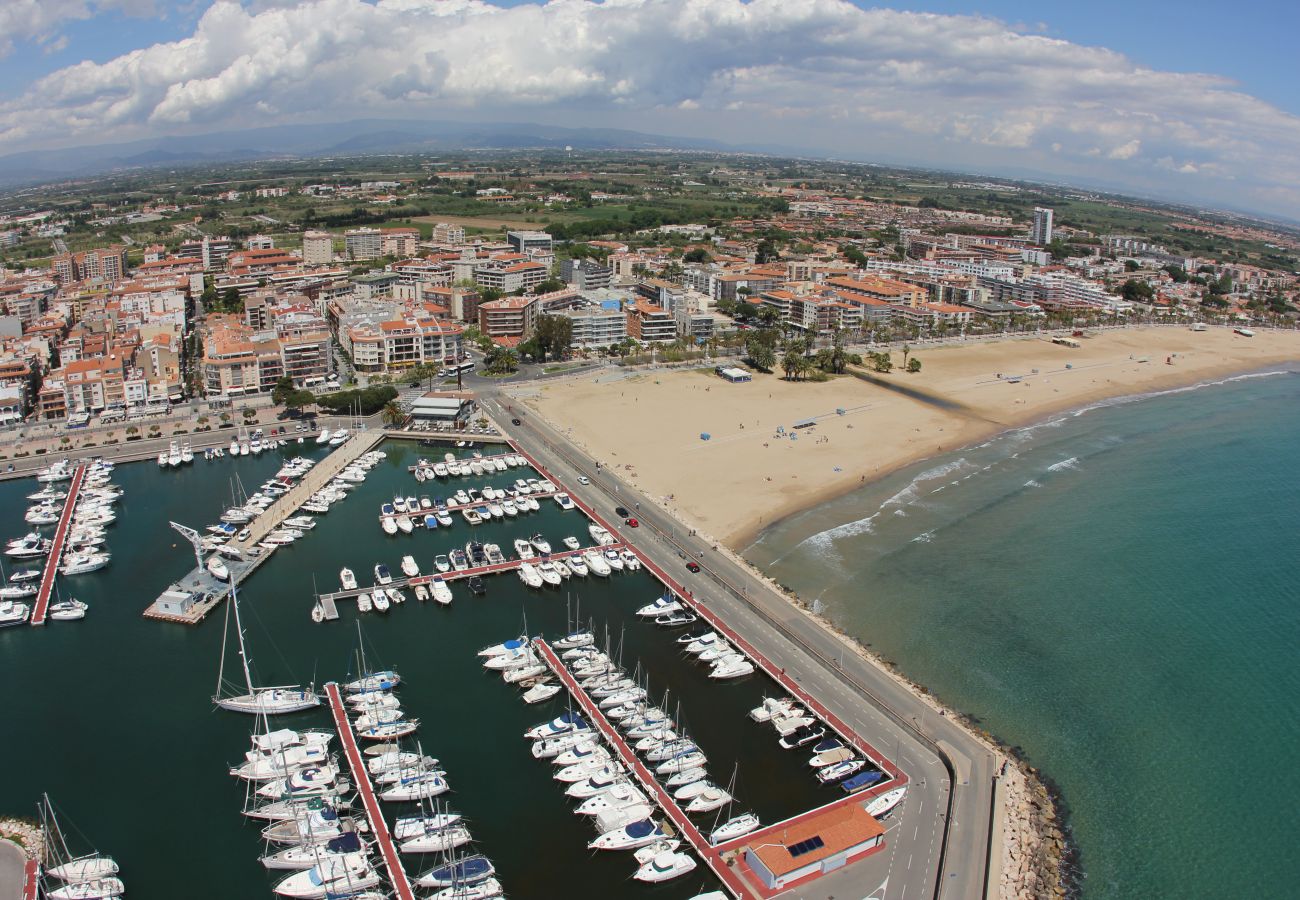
(25, 833)
(1038, 860)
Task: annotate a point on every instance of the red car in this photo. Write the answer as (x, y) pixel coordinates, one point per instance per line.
(633, 523)
(693, 566)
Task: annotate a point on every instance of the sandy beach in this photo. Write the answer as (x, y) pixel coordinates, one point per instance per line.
(755, 468)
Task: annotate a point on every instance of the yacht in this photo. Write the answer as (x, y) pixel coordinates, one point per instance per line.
(564, 501)
(80, 563)
(629, 837)
(217, 566)
(305, 856)
(543, 546)
(882, 805)
(442, 563)
(374, 681)
(466, 871)
(459, 561)
(338, 876)
(837, 771)
(661, 606)
(566, 723)
(514, 645)
(488, 889)
(338, 437)
(409, 827)
(404, 524)
(348, 579)
(389, 731)
(734, 828)
(708, 799)
(13, 613)
(440, 841)
(801, 737)
(421, 786)
(665, 866)
(614, 561)
(572, 543)
(382, 575)
(380, 601)
(549, 573)
(596, 563)
(530, 576)
(68, 610)
(631, 561)
(541, 692)
(599, 534)
(440, 591)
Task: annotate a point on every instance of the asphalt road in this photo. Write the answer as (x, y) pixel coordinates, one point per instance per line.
(937, 842)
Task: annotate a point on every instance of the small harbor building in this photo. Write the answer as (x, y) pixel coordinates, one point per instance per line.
(447, 407)
(733, 374)
(815, 845)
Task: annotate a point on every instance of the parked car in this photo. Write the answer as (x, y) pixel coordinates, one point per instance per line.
(693, 566)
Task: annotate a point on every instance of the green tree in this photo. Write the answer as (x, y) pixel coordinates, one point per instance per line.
(1136, 291)
(913, 365)
(907, 351)
(881, 362)
(393, 415)
(549, 286)
(697, 255)
(500, 361)
(283, 389)
(853, 254)
(231, 301)
(766, 252)
(768, 314)
(1131, 265)
(761, 351)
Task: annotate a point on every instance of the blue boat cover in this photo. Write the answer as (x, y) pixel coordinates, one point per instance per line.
(638, 830)
(858, 782)
(344, 843)
(828, 744)
(572, 718)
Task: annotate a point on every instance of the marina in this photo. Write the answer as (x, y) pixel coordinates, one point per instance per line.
(428, 642)
(56, 549)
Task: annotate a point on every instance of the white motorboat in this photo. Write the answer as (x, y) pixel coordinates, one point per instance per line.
(735, 666)
(772, 706)
(572, 543)
(629, 837)
(389, 525)
(734, 828)
(404, 524)
(442, 563)
(708, 799)
(530, 576)
(17, 591)
(409, 566)
(583, 750)
(324, 436)
(661, 606)
(542, 545)
(381, 601)
(837, 771)
(80, 563)
(513, 645)
(665, 867)
(524, 549)
(595, 784)
(67, 610)
(364, 603)
(440, 590)
(549, 573)
(343, 875)
(348, 579)
(631, 561)
(613, 560)
(596, 563)
(217, 566)
(599, 534)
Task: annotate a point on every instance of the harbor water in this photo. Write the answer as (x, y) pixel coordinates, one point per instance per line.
(1117, 593)
(113, 717)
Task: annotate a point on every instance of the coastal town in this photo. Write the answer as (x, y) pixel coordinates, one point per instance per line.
(661, 358)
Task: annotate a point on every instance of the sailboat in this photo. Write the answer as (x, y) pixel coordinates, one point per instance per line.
(258, 701)
(69, 877)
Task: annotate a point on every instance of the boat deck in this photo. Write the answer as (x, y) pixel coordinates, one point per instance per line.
(329, 601)
(56, 550)
(361, 778)
(680, 820)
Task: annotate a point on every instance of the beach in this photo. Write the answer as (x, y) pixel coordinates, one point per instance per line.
(755, 467)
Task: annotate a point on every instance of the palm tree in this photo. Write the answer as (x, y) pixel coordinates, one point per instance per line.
(906, 351)
(393, 414)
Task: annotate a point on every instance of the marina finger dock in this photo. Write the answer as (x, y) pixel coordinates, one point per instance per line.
(56, 548)
(361, 778)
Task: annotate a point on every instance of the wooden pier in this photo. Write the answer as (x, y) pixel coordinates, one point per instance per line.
(56, 548)
(665, 801)
(329, 601)
(361, 778)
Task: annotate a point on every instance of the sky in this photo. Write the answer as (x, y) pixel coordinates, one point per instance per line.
(1193, 101)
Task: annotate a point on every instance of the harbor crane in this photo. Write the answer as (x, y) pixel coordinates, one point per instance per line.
(194, 538)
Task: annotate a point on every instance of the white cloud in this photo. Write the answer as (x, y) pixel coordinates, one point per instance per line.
(954, 90)
(24, 20)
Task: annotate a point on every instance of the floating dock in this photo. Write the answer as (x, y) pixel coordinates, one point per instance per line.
(56, 548)
(698, 842)
(361, 778)
(329, 601)
(473, 504)
(31, 879)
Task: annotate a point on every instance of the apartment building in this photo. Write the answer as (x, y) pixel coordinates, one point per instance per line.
(448, 235)
(649, 323)
(401, 343)
(317, 248)
(509, 277)
(815, 314)
(104, 263)
(585, 274)
(363, 243)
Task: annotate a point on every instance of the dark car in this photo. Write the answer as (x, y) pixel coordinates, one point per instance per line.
(621, 512)
(515, 422)
(693, 566)
(633, 523)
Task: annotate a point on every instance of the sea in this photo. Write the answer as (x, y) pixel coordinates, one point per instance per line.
(1116, 593)
(112, 716)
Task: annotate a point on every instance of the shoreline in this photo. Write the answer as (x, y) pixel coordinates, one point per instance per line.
(1032, 854)
(740, 540)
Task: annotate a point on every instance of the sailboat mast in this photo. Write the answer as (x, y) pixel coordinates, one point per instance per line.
(239, 629)
(221, 667)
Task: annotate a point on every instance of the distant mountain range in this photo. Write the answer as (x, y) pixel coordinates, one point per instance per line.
(346, 138)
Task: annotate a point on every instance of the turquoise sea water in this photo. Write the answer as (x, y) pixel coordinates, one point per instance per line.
(1117, 592)
(112, 715)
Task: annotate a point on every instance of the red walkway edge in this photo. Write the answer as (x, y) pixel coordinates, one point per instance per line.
(896, 777)
(687, 828)
(56, 549)
(31, 876)
(361, 778)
